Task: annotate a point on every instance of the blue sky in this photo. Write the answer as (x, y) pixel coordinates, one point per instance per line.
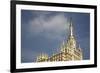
(44, 31)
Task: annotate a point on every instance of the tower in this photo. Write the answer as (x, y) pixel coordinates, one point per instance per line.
(71, 41)
(69, 48)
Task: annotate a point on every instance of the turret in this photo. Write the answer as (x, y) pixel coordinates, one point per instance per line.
(42, 57)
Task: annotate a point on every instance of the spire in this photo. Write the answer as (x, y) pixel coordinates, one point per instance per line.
(71, 27)
(79, 45)
(63, 43)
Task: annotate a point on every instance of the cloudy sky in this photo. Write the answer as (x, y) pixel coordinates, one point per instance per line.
(44, 31)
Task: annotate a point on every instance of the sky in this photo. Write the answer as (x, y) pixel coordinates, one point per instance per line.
(44, 32)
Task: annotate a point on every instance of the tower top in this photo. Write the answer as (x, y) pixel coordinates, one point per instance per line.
(71, 27)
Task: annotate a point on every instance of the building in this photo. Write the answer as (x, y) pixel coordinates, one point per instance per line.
(69, 50)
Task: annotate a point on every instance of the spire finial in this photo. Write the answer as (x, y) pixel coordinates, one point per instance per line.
(63, 43)
(79, 45)
(71, 27)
